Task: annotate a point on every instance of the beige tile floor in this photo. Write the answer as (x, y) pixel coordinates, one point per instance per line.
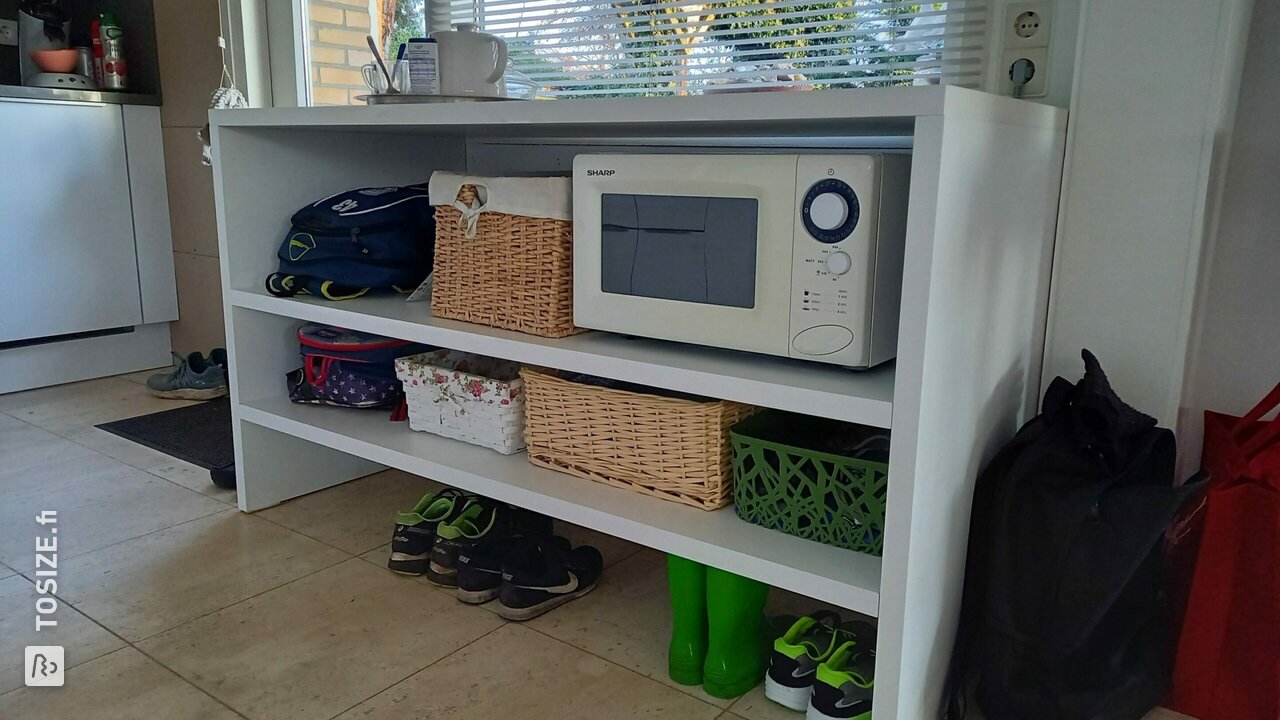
(176, 605)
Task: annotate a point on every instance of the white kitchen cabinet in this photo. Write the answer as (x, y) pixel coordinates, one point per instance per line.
(68, 261)
(979, 243)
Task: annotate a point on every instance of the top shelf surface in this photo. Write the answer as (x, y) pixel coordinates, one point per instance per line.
(890, 110)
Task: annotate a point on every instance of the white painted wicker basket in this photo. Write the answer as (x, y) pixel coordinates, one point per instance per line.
(476, 399)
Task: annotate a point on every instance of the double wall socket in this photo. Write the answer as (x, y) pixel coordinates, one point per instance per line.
(8, 32)
(1025, 33)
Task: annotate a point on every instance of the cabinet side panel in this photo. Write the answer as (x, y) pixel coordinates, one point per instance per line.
(272, 467)
(153, 238)
(974, 300)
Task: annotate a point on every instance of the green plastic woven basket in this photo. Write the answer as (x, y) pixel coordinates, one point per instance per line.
(811, 494)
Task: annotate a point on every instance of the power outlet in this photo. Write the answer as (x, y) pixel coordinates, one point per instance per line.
(1038, 85)
(1027, 30)
(8, 32)
(1027, 24)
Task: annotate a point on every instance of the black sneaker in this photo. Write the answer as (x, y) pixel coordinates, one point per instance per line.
(415, 532)
(797, 654)
(844, 685)
(543, 575)
(481, 520)
(480, 564)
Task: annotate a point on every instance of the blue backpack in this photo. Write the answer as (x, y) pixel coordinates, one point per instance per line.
(376, 239)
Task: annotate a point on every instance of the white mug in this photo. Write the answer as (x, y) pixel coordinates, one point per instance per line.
(471, 62)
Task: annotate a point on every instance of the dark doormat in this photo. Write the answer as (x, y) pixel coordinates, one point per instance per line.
(199, 434)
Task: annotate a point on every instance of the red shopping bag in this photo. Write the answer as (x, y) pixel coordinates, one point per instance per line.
(1228, 665)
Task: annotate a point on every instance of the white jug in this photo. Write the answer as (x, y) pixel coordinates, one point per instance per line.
(471, 62)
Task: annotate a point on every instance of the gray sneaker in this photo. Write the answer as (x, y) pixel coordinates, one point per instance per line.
(195, 378)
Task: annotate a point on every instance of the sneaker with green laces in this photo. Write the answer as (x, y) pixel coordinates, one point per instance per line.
(843, 686)
(481, 521)
(415, 532)
(809, 642)
(194, 378)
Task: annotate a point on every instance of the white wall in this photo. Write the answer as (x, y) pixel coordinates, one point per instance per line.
(1235, 355)
(1152, 102)
(190, 69)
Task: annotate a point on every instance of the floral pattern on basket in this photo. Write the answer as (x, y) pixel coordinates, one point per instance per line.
(467, 397)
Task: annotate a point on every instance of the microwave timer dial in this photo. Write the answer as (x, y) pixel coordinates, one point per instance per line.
(830, 211)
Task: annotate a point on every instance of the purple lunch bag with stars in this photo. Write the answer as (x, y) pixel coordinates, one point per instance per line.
(348, 368)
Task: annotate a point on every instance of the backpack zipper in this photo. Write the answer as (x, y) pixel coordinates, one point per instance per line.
(338, 347)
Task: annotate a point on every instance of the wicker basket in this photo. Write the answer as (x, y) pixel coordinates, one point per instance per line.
(466, 397)
(671, 448)
(781, 482)
(516, 273)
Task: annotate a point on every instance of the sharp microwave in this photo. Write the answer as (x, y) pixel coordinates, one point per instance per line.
(791, 255)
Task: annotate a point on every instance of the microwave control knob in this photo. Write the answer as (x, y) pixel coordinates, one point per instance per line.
(830, 211)
(839, 263)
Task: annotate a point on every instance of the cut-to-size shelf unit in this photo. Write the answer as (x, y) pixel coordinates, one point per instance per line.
(983, 204)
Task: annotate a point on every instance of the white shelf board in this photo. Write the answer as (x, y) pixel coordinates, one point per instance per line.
(781, 383)
(721, 110)
(892, 110)
(718, 538)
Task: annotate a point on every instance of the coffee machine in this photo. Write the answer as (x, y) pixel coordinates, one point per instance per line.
(45, 25)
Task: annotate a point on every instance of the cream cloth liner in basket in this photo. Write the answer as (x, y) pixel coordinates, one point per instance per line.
(550, 197)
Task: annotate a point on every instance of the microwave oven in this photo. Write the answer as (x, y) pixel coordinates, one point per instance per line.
(792, 255)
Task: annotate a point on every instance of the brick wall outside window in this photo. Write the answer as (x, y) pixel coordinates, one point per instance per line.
(336, 38)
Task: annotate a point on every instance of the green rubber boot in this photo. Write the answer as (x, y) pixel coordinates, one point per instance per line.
(687, 581)
(736, 641)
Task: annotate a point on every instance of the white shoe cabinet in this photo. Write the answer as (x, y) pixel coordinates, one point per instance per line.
(983, 205)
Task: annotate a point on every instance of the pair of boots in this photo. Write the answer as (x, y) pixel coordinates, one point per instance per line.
(717, 637)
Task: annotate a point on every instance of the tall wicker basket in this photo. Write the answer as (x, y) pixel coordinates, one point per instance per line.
(673, 448)
(516, 273)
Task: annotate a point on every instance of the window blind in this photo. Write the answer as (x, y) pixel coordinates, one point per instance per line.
(602, 48)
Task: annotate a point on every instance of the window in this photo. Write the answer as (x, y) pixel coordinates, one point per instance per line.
(336, 47)
(602, 48)
(595, 48)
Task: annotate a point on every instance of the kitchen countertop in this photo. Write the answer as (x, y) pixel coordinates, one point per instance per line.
(38, 93)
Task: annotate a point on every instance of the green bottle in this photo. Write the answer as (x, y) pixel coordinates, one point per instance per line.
(115, 71)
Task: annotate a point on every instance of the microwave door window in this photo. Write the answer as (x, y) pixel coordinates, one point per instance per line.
(670, 259)
(619, 233)
(690, 249)
(730, 251)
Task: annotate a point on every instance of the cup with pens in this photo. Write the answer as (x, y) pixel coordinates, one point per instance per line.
(414, 71)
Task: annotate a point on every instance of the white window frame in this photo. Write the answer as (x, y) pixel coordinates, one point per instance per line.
(267, 50)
